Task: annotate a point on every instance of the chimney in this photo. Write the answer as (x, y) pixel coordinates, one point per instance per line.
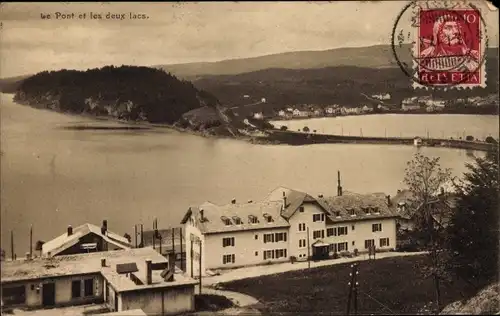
(202, 215)
(149, 277)
(284, 200)
(103, 262)
(389, 203)
(104, 227)
(70, 230)
(171, 262)
(233, 201)
(320, 196)
(339, 187)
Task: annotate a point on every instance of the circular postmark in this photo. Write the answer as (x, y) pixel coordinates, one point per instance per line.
(440, 43)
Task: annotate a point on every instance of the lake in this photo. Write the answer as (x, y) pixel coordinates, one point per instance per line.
(52, 177)
(401, 125)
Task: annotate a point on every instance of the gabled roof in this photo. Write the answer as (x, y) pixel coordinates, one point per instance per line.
(294, 199)
(64, 241)
(357, 203)
(213, 213)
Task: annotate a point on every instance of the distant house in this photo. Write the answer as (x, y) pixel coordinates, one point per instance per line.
(319, 112)
(281, 113)
(366, 109)
(410, 107)
(417, 141)
(383, 107)
(289, 109)
(258, 116)
(246, 96)
(381, 96)
(330, 110)
(83, 239)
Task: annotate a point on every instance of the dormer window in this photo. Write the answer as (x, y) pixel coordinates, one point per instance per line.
(268, 218)
(337, 213)
(351, 211)
(237, 220)
(376, 210)
(367, 210)
(252, 219)
(226, 220)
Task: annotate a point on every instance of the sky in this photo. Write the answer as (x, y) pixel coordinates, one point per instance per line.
(188, 32)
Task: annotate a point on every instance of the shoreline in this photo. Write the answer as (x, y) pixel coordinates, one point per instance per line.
(291, 138)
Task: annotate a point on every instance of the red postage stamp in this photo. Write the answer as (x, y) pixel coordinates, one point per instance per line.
(449, 48)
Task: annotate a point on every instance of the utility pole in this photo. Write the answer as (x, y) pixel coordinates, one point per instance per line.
(31, 241)
(142, 236)
(353, 289)
(200, 264)
(173, 243)
(154, 233)
(182, 253)
(135, 234)
(191, 256)
(12, 244)
(308, 250)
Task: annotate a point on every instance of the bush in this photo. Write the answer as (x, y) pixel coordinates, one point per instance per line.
(469, 138)
(490, 140)
(305, 129)
(283, 128)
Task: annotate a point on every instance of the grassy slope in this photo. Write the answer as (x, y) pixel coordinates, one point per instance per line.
(395, 282)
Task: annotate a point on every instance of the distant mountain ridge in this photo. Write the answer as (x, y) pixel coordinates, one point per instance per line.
(379, 56)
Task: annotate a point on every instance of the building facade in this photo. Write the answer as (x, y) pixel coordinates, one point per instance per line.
(119, 280)
(286, 225)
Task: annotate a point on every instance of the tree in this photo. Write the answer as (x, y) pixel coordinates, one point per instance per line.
(425, 178)
(305, 129)
(283, 128)
(469, 138)
(490, 140)
(473, 230)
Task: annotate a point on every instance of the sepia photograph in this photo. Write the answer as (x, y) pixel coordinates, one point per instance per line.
(249, 158)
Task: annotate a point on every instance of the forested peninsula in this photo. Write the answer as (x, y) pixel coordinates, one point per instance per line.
(127, 92)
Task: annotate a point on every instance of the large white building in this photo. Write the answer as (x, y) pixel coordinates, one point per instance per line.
(287, 223)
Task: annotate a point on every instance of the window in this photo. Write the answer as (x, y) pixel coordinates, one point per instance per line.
(252, 219)
(318, 234)
(376, 210)
(369, 243)
(256, 253)
(331, 231)
(317, 217)
(352, 227)
(301, 209)
(76, 289)
(228, 259)
(376, 227)
(14, 295)
(333, 248)
(384, 242)
(342, 246)
(302, 243)
(268, 254)
(367, 210)
(268, 218)
(227, 241)
(322, 217)
(268, 238)
(226, 220)
(353, 243)
(302, 227)
(280, 237)
(89, 287)
(337, 213)
(351, 212)
(256, 237)
(237, 220)
(280, 253)
(342, 230)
